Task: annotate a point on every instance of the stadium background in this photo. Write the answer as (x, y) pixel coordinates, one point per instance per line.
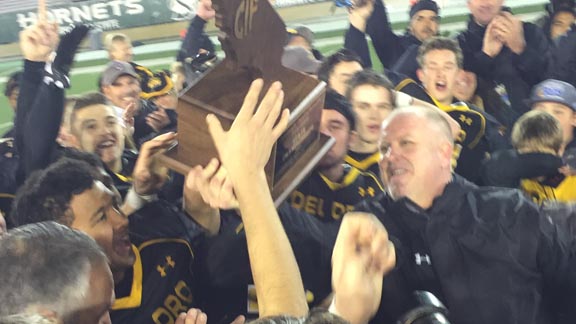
(158, 43)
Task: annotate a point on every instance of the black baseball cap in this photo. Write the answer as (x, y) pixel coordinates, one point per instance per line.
(424, 5)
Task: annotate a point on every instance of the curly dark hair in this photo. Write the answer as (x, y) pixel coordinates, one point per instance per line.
(46, 194)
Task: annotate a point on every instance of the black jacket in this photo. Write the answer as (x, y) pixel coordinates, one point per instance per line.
(388, 46)
(194, 40)
(518, 73)
(563, 57)
(490, 255)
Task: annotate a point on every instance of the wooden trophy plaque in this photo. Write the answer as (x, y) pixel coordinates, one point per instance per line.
(253, 36)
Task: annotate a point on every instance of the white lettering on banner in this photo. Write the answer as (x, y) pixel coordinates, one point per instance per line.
(94, 13)
(134, 7)
(292, 3)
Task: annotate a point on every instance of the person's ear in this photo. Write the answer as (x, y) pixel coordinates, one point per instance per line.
(446, 152)
(352, 138)
(420, 75)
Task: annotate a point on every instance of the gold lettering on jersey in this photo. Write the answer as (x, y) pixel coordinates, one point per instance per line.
(168, 264)
(315, 206)
(339, 209)
(183, 292)
(244, 17)
(174, 304)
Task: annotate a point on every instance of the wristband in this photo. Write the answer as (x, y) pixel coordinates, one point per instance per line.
(136, 201)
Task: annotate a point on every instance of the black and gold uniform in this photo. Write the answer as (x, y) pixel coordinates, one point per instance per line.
(161, 284)
(365, 162)
(329, 201)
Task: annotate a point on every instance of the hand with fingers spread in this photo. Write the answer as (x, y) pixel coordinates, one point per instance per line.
(38, 41)
(244, 151)
(157, 119)
(246, 147)
(149, 175)
(361, 257)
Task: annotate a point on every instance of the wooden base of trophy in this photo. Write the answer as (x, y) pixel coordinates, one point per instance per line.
(221, 92)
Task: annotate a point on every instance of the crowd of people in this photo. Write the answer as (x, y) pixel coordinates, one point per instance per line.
(453, 172)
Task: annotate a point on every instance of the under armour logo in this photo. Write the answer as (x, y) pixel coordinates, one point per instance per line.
(422, 258)
(162, 268)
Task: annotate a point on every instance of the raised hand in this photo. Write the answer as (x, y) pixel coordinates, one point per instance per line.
(205, 10)
(211, 186)
(361, 257)
(158, 119)
(511, 31)
(38, 41)
(149, 175)
(128, 118)
(196, 316)
(246, 147)
(358, 15)
(493, 43)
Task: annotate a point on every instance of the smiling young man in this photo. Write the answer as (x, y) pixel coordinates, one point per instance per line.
(121, 85)
(95, 128)
(151, 257)
(441, 62)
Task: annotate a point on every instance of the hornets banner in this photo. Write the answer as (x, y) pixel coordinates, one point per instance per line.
(104, 15)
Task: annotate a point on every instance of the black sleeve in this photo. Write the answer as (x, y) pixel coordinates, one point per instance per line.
(407, 63)
(564, 62)
(387, 45)
(38, 119)
(355, 40)
(194, 40)
(42, 127)
(31, 81)
(507, 168)
(475, 60)
(535, 62)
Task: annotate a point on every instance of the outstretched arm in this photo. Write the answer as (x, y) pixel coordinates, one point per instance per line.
(244, 151)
